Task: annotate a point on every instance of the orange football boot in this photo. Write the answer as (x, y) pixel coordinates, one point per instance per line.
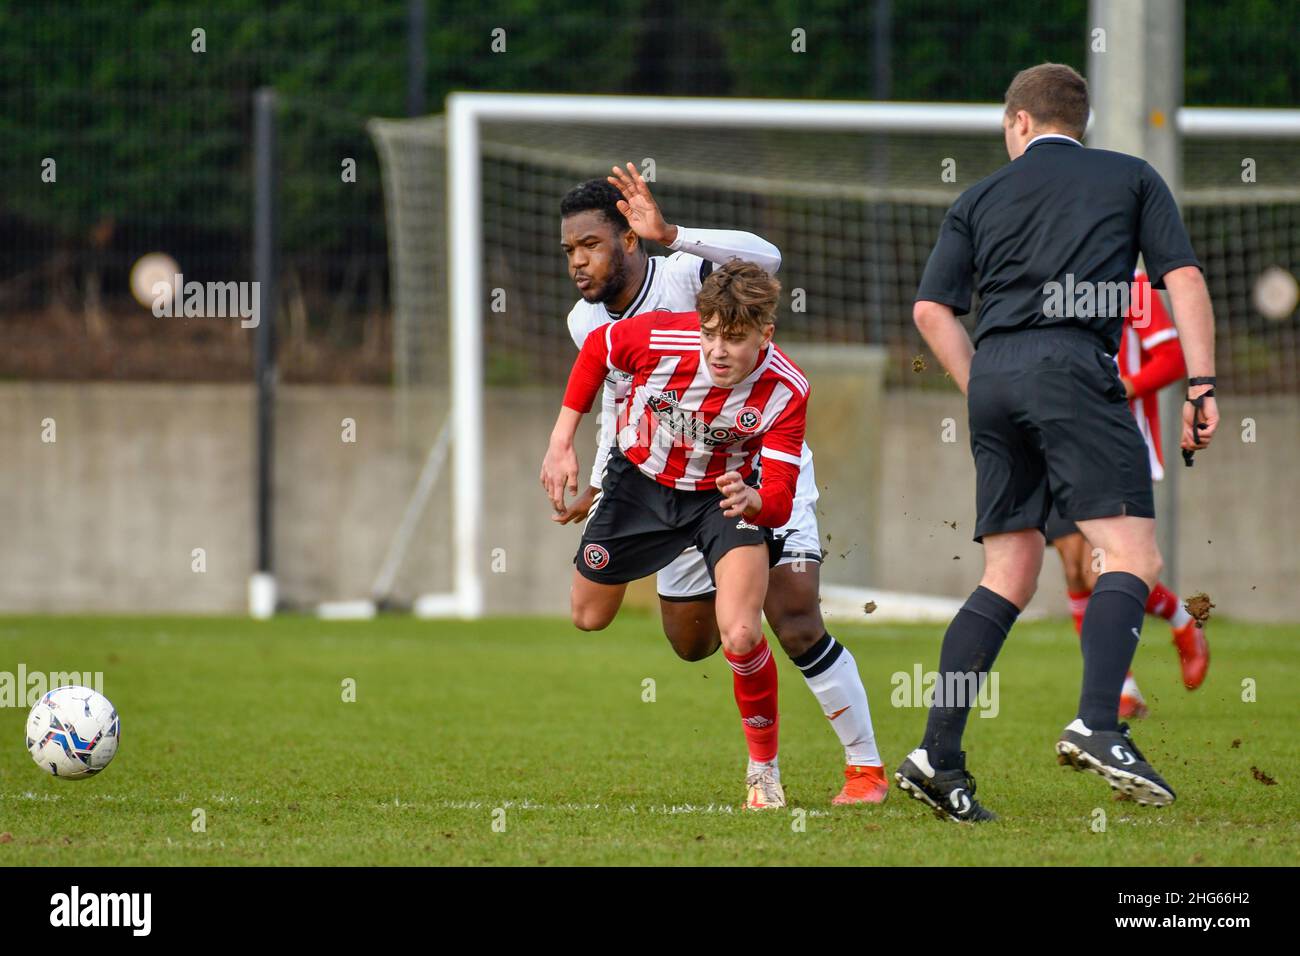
(1193, 653)
(863, 785)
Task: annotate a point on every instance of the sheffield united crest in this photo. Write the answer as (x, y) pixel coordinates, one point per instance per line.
(596, 557)
(748, 420)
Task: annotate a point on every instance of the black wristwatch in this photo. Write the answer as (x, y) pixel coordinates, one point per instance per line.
(1196, 404)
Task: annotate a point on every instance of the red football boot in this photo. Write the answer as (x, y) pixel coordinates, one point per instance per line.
(1193, 653)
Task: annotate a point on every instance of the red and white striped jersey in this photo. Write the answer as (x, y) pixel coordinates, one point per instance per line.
(681, 429)
(1151, 357)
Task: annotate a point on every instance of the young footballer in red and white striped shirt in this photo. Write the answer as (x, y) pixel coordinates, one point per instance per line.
(710, 392)
(677, 397)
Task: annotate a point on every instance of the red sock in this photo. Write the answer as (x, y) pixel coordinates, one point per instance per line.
(1162, 602)
(754, 680)
(1078, 605)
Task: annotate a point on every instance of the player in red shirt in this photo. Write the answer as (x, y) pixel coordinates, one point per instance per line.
(710, 391)
(1149, 358)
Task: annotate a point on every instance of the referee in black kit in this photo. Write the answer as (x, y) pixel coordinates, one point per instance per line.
(1050, 241)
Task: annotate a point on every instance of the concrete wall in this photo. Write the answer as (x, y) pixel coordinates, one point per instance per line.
(848, 382)
(106, 517)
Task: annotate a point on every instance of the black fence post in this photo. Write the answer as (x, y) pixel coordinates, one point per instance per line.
(262, 590)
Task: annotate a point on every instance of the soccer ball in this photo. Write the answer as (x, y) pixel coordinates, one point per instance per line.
(73, 732)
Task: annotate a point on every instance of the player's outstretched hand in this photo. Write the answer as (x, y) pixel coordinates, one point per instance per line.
(639, 207)
(577, 511)
(559, 472)
(738, 498)
(1194, 439)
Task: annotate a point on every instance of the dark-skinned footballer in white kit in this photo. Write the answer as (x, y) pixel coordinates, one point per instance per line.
(603, 223)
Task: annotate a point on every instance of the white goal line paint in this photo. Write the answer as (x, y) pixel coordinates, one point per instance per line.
(665, 809)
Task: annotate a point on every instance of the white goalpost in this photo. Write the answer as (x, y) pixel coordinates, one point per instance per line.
(864, 187)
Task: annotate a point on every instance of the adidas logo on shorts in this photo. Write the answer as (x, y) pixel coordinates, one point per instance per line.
(743, 525)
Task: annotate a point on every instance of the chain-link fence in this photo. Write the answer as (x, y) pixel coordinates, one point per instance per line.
(125, 129)
(854, 215)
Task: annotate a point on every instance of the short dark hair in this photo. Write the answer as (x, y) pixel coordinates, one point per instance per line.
(598, 195)
(1053, 94)
(737, 297)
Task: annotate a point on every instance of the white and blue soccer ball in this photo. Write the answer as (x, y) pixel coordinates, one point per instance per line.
(73, 732)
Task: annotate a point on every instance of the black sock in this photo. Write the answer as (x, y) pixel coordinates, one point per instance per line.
(1109, 639)
(819, 657)
(970, 646)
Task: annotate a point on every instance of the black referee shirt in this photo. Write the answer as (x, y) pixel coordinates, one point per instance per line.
(1052, 239)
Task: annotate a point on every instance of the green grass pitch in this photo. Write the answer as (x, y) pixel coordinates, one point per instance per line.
(544, 731)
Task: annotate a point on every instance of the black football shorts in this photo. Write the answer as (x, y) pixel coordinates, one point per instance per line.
(1058, 527)
(639, 526)
(1050, 424)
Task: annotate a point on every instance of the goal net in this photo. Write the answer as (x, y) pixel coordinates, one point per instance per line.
(852, 193)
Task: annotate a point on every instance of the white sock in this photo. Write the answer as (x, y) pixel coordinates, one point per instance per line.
(1180, 618)
(755, 766)
(1130, 688)
(838, 688)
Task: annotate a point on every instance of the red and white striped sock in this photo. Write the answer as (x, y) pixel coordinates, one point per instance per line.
(754, 681)
(1162, 602)
(1078, 605)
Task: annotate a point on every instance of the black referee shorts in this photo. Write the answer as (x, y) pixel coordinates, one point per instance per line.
(1049, 423)
(1057, 527)
(639, 526)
